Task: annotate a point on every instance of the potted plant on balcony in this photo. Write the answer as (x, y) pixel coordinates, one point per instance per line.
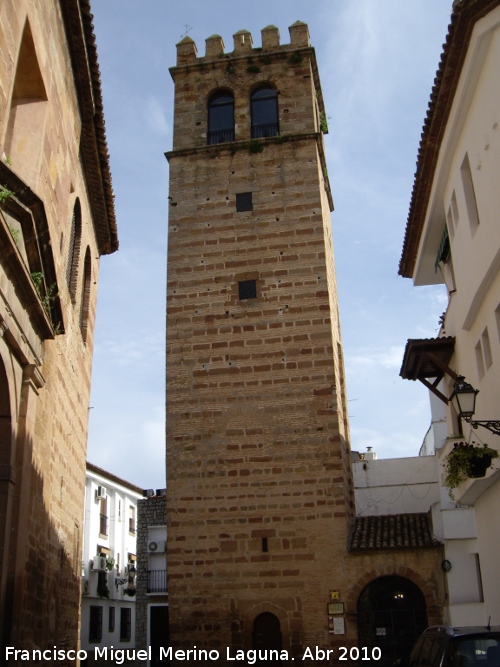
(467, 461)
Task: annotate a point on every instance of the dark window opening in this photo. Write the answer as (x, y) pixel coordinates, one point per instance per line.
(220, 118)
(125, 624)
(265, 548)
(95, 624)
(111, 619)
(244, 202)
(264, 113)
(247, 289)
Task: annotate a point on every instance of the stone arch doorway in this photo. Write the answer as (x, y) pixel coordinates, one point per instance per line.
(266, 636)
(391, 615)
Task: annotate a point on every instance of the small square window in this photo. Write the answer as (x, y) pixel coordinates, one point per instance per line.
(247, 289)
(244, 202)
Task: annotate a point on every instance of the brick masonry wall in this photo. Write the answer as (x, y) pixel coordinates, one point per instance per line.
(150, 512)
(257, 432)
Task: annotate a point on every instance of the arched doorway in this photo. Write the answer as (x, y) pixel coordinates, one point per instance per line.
(391, 616)
(267, 636)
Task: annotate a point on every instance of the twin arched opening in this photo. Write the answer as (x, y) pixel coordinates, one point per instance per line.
(263, 114)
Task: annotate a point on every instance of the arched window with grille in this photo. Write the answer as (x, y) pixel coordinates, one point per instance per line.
(87, 281)
(220, 117)
(264, 112)
(74, 250)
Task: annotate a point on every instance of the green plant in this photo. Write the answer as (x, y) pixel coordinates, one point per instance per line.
(460, 462)
(49, 294)
(255, 146)
(129, 591)
(7, 160)
(15, 234)
(110, 563)
(5, 193)
(323, 123)
(295, 58)
(253, 69)
(102, 585)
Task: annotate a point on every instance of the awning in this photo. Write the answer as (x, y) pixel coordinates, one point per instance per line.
(426, 359)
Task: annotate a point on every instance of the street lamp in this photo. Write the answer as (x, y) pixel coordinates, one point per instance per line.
(463, 399)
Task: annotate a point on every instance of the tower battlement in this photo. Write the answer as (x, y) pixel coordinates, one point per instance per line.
(187, 51)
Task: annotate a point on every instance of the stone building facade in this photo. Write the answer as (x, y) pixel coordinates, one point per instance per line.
(261, 528)
(151, 581)
(56, 220)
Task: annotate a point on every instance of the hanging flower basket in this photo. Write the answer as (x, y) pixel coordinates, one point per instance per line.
(467, 461)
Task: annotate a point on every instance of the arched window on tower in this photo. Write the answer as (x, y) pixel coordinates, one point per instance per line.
(87, 281)
(264, 112)
(74, 250)
(220, 118)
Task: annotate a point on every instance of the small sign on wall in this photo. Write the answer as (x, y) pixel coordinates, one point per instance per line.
(335, 608)
(336, 625)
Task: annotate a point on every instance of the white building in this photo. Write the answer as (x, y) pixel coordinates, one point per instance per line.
(109, 561)
(453, 238)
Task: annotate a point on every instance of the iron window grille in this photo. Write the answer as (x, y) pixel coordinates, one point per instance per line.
(247, 289)
(95, 624)
(244, 202)
(220, 118)
(157, 581)
(264, 113)
(125, 623)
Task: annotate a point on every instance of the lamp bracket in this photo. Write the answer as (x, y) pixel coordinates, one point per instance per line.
(489, 424)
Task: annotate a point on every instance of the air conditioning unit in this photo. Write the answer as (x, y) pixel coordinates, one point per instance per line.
(101, 493)
(102, 563)
(156, 546)
(85, 586)
(94, 565)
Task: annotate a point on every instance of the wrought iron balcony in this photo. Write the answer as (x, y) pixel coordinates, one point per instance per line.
(220, 136)
(157, 581)
(268, 130)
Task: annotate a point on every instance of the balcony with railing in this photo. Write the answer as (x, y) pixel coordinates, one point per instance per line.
(220, 136)
(103, 525)
(267, 130)
(157, 581)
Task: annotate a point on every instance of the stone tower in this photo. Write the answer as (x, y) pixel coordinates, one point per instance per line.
(259, 491)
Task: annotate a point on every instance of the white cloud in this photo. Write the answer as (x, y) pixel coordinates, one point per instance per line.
(370, 358)
(155, 116)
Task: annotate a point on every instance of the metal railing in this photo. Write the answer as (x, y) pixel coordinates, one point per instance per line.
(220, 136)
(103, 524)
(157, 581)
(268, 130)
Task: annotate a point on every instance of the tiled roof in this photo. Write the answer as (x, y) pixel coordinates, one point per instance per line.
(81, 43)
(396, 531)
(464, 16)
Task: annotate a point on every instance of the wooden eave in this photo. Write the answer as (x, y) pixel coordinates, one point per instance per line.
(113, 478)
(427, 359)
(464, 16)
(93, 146)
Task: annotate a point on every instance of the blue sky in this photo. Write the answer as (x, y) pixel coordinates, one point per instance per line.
(377, 62)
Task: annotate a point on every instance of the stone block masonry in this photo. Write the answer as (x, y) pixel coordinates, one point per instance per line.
(259, 483)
